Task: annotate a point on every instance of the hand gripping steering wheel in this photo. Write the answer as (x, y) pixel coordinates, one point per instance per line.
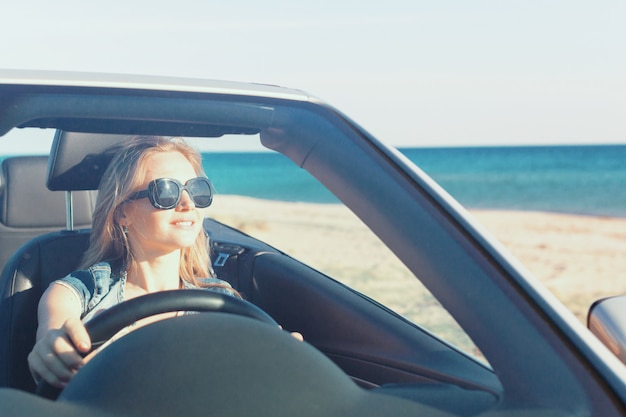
(105, 325)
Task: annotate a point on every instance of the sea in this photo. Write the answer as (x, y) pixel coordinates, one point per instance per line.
(582, 179)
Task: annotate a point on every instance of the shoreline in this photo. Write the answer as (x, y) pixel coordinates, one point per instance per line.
(579, 258)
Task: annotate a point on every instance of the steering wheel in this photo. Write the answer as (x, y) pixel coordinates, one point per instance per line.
(105, 325)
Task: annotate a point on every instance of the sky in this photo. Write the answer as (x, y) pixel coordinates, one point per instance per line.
(411, 72)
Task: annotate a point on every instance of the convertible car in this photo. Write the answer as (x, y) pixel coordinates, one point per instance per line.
(442, 321)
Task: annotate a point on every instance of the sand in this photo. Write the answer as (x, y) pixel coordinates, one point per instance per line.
(578, 258)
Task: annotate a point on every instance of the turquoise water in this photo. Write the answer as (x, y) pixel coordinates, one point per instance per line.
(568, 179)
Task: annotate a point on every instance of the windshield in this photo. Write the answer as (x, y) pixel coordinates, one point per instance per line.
(268, 197)
(264, 194)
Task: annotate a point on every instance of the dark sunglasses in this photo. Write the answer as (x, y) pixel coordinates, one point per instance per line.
(165, 193)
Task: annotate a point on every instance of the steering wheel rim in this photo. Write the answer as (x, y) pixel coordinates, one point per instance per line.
(105, 325)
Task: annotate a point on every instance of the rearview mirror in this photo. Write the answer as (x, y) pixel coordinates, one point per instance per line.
(607, 320)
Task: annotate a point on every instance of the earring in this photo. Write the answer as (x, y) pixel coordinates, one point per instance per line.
(125, 230)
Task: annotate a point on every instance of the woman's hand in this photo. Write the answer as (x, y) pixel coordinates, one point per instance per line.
(295, 335)
(56, 356)
(298, 336)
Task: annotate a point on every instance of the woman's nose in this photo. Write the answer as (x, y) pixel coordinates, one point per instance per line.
(186, 202)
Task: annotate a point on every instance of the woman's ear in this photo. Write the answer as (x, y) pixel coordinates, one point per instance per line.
(120, 217)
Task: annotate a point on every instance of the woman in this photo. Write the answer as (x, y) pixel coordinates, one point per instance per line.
(147, 236)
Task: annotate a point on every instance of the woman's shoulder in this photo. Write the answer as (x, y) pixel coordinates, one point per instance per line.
(110, 267)
(94, 277)
(212, 281)
(202, 283)
(102, 265)
(91, 284)
(211, 284)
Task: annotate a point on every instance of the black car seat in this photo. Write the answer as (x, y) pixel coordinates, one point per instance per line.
(77, 162)
(29, 209)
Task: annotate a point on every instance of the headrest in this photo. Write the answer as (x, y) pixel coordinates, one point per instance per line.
(26, 203)
(78, 160)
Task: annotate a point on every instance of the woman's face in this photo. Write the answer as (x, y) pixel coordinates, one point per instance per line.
(154, 232)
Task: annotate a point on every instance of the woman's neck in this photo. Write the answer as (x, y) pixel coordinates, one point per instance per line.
(156, 274)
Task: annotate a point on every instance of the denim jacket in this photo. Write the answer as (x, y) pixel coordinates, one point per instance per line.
(100, 287)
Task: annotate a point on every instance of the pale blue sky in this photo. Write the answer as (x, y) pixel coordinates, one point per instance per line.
(412, 72)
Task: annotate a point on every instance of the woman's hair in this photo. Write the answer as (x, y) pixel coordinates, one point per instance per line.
(122, 177)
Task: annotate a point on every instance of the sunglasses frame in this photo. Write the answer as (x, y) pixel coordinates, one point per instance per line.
(150, 192)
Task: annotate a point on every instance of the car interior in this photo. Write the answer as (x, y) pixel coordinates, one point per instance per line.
(29, 209)
(265, 276)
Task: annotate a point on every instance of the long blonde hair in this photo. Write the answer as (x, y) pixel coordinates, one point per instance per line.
(123, 176)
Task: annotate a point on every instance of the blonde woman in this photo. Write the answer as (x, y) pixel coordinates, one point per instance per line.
(147, 236)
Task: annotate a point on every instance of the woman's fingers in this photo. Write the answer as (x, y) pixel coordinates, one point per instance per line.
(298, 336)
(77, 334)
(54, 359)
(57, 356)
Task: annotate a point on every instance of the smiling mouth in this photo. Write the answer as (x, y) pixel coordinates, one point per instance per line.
(187, 223)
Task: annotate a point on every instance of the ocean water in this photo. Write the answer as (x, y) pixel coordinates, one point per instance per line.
(568, 179)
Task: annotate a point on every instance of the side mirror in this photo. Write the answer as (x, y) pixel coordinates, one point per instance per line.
(607, 320)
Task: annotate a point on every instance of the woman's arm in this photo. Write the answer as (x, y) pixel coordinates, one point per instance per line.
(60, 337)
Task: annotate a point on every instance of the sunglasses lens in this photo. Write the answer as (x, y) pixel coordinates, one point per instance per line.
(166, 193)
(200, 191)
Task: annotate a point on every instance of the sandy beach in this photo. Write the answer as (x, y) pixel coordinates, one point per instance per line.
(578, 258)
